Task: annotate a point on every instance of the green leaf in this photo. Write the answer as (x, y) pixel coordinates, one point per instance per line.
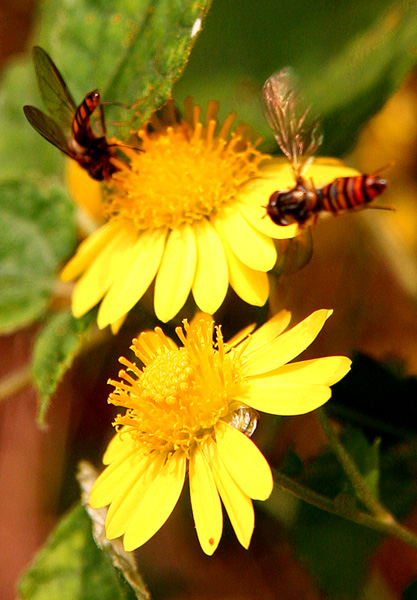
(365, 456)
(72, 567)
(366, 395)
(37, 231)
(122, 560)
(48, 206)
(26, 272)
(350, 57)
(54, 352)
(132, 52)
(335, 549)
(292, 465)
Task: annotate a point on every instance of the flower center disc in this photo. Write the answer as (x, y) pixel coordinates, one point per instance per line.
(181, 393)
(184, 174)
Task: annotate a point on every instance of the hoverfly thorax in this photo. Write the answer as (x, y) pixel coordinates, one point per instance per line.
(293, 206)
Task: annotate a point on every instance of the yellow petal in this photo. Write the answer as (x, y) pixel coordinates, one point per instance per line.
(252, 286)
(134, 276)
(269, 331)
(129, 493)
(87, 191)
(245, 463)
(158, 502)
(211, 277)
(89, 249)
(176, 273)
(118, 446)
(238, 504)
(205, 502)
(116, 325)
(254, 249)
(327, 370)
(322, 171)
(114, 478)
(271, 395)
(241, 335)
(286, 346)
(99, 276)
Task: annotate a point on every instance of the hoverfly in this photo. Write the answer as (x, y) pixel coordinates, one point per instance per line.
(69, 127)
(298, 136)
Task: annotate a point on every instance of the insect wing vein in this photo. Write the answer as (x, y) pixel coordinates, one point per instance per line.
(54, 91)
(297, 134)
(47, 128)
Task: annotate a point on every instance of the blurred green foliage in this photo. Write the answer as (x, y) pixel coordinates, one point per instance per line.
(71, 566)
(37, 231)
(350, 57)
(54, 351)
(131, 51)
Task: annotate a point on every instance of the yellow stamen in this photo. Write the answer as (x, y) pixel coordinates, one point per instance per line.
(177, 399)
(186, 172)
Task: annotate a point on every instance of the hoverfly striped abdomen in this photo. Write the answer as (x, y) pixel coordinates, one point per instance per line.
(346, 193)
(81, 127)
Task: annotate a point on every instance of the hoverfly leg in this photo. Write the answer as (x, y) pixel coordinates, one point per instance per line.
(102, 119)
(379, 207)
(128, 107)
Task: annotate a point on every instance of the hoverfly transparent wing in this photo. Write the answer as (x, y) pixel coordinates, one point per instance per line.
(47, 128)
(296, 131)
(54, 91)
(298, 252)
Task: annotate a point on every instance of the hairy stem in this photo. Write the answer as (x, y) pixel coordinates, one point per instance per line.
(345, 510)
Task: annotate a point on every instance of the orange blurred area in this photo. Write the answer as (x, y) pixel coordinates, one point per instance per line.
(15, 23)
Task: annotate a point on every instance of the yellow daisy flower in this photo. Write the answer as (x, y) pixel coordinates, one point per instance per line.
(189, 213)
(183, 413)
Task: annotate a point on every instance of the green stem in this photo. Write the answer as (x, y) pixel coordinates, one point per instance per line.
(355, 477)
(345, 511)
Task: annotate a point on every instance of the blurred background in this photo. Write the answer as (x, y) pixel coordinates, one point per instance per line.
(364, 266)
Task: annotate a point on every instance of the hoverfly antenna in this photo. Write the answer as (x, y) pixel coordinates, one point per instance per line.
(126, 146)
(384, 168)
